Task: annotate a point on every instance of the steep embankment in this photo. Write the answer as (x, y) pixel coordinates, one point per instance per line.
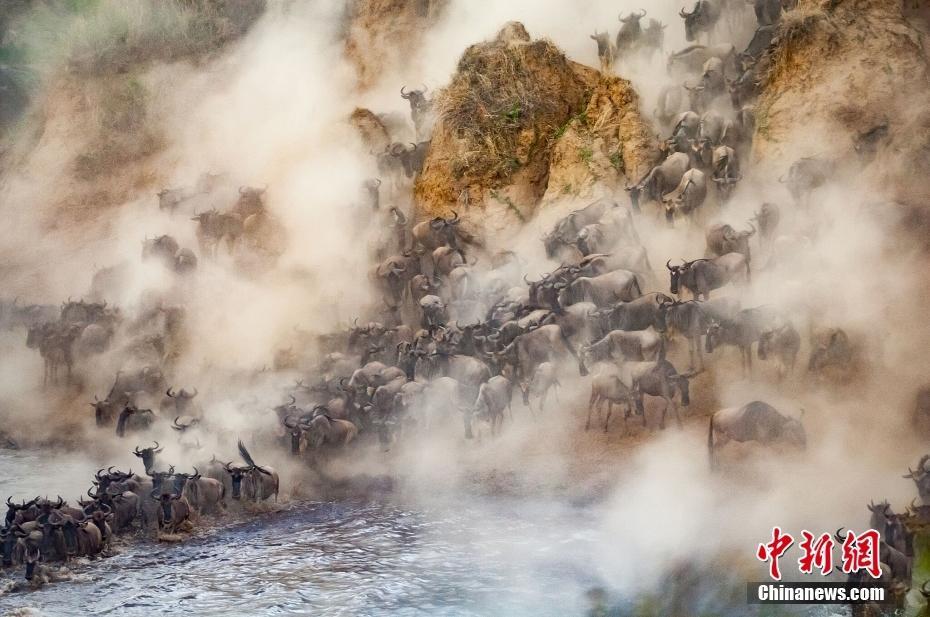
(382, 33)
(520, 124)
(92, 125)
(855, 71)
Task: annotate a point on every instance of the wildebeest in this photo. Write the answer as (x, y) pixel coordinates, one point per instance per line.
(767, 217)
(544, 379)
(616, 286)
(620, 345)
(783, 343)
(755, 421)
(494, 396)
(148, 456)
(831, 350)
(323, 431)
(133, 419)
(628, 38)
(660, 379)
(173, 511)
(433, 311)
(437, 232)
(653, 39)
(661, 179)
(702, 276)
(204, 495)
(170, 199)
(607, 387)
(686, 130)
(691, 59)
(726, 170)
(565, 231)
(420, 108)
(921, 477)
(544, 344)
(702, 19)
(672, 103)
(412, 158)
(742, 331)
(721, 239)
(253, 482)
(687, 199)
(214, 227)
(55, 342)
(605, 50)
(805, 175)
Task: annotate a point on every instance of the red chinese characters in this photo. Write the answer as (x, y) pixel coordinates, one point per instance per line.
(861, 553)
(773, 550)
(816, 553)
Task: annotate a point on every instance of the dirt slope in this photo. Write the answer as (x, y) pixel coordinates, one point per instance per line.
(848, 67)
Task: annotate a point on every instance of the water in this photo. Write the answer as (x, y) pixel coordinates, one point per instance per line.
(351, 558)
(474, 556)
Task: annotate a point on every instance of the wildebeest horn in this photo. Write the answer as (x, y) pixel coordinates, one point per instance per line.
(668, 264)
(157, 448)
(293, 400)
(196, 392)
(911, 474)
(682, 13)
(168, 392)
(643, 14)
(177, 425)
(839, 536)
(404, 94)
(455, 217)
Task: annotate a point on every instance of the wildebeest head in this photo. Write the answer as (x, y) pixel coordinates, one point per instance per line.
(160, 478)
(31, 557)
(632, 17)
(296, 428)
(148, 455)
(182, 425)
(25, 507)
(416, 98)
(700, 18)
(675, 274)
(235, 475)
(603, 42)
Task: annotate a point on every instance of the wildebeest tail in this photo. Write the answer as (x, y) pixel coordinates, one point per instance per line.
(245, 455)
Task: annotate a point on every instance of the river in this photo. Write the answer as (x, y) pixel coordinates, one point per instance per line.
(476, 556)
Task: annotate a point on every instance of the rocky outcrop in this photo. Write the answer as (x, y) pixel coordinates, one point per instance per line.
(520, 125)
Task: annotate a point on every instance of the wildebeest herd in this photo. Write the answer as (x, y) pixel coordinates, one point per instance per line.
(457, 332)
(42, 530)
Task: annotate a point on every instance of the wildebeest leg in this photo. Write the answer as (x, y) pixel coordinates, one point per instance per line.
(610, 410)
(591, 405)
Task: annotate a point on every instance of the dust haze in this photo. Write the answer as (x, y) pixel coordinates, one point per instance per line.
(271, 111)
